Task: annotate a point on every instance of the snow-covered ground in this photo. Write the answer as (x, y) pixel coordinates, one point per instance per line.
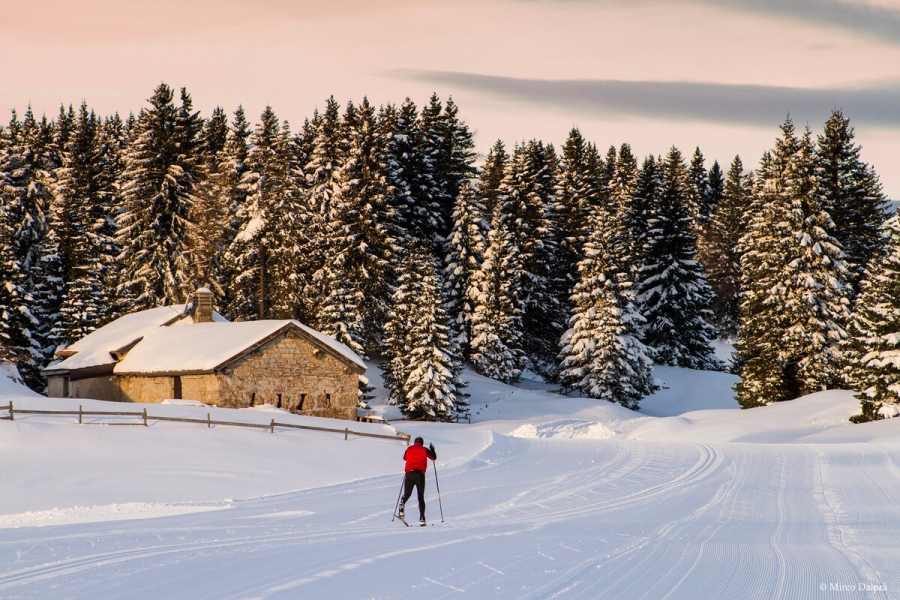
(542, 496)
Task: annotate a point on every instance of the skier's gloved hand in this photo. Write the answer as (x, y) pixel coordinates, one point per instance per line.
(431, 447)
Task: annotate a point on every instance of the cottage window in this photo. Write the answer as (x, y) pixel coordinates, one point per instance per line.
(253, 399)
(177, 385)
(302, 402)
(278, 404)
(328, 400)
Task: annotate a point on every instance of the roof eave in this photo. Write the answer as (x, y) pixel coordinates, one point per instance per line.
(165, 373)
(82, 372)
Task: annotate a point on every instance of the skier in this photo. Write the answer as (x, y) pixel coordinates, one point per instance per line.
(416, 464)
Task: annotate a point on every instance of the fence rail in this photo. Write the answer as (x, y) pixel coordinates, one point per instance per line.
(208, 421)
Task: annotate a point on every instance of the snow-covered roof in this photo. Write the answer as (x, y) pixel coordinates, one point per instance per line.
(94, 349)
(207, 346)
(166, 340)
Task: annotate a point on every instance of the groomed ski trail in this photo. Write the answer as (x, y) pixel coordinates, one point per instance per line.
(527, 518)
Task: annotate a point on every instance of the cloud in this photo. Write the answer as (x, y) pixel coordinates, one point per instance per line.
(754, 105)
(863, 17)
(882, 22)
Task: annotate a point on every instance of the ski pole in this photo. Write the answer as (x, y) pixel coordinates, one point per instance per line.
(436, 483)
(402, 481)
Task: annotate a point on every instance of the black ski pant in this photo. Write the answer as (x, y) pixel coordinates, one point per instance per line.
(415, 479)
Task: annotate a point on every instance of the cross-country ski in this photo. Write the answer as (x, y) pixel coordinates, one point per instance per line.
(401, 519)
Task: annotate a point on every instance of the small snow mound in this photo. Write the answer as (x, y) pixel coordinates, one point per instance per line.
(889, 411)
(181, 402)
(108, 512)
(11, 383)
(525, 431)
(268, 408)
(283, 514)
(565, 429)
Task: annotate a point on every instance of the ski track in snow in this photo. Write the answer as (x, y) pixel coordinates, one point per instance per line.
(618, 519)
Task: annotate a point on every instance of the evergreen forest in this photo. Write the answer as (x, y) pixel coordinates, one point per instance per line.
(382, 228)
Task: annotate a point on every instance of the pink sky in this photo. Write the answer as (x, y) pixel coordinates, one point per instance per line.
(293, 54)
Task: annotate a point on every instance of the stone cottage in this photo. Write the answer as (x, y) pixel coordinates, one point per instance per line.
(192, 352)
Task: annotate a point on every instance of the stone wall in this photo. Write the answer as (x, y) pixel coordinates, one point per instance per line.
(145, 389)
(294, 369)
(204, 388)
(104, 387)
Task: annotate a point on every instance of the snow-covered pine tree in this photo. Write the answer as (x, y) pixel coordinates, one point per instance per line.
(716, 186)
(17, 343)
(601, 355)
(457, 167)
(424, 367)
(871, 353)
(673, 294)
(448, 148)
(758, 347)
(607, 169)
(700, 203)
(289, 221)
(226, 191)
(209, 213)
(22, 227)
(637, 216)
(596, 167)
(720, 247)
(62, 134)
(526, 203)
(112, 157)
(396, 185)
(337, 305)
(305, 141)
(494, 290)
(492, 173)
(464, 253)
(434, 150)
(45, 280)
(62, 129)
(83, 223)
(361, 239)
(263, 253)
(818, 293)
(577, 194)
(157, 183)
(794, 299)
(418, 212)
(851, 194)
(622, 190)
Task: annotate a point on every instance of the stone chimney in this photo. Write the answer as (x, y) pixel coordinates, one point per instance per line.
(202, 306)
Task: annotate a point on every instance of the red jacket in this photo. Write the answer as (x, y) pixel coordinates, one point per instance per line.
(415, 457)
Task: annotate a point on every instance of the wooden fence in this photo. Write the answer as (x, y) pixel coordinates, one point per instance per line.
(208, 421)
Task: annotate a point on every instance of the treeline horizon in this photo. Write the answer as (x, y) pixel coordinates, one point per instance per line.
(376, 227)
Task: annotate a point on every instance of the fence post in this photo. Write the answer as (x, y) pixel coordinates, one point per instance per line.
(346, 432)
(208, 423)
(145, 417)
(273, 426)
(12, 417)
(79, 414)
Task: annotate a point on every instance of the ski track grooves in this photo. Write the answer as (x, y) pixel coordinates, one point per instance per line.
(617, 519)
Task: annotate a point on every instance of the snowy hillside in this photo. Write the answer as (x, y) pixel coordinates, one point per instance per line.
(541, 496)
